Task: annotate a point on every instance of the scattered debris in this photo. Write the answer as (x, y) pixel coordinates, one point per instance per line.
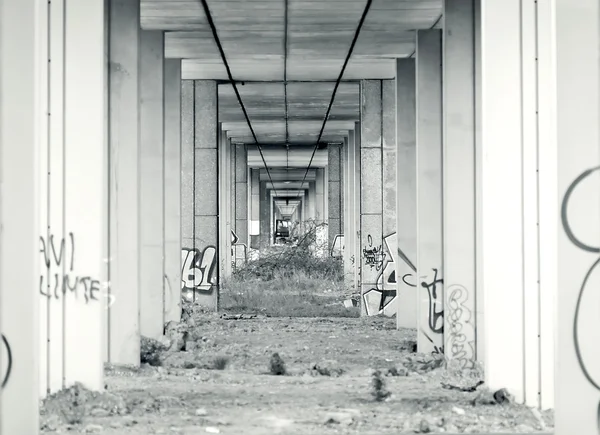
(226, 316)
(151, 351)
(424, 427)
(380, 392)
(93, 428)
(327, 368)
(178, 335)
(458, 411)
(470, 389)
(423, 362)
(276, 365)
(395, 371)
(502, 396)
(201, 412)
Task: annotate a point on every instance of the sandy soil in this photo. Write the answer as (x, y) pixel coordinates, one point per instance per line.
(187, 395)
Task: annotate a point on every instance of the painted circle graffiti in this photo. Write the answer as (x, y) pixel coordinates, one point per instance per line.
(5, 361)
(585, 337)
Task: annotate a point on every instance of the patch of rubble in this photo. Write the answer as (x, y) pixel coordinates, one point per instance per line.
(72, 405)
(327, 368)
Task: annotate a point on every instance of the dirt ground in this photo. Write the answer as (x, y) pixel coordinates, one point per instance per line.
(191, 393)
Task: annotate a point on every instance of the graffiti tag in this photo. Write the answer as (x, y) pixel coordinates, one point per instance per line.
(373, 255)
(6, 361)
(198, 271)
(459, 318)
(586, 309)
(65, 280)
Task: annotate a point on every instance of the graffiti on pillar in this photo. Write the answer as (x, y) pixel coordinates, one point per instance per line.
(458, 346)
(586, 309)
(337, 248)
(59, 256)
(433, 285)
(373, 255)
(382, 298)
(198, 270)
(6, 362)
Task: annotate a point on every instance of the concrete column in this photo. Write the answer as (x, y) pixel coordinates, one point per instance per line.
(200, 220)
(357, 208)
(371, 197)
(312, 200)
(151, 184)
(429, 278)
(386, 281)
(254, 208)
(518, 122)
(241, 203)
(459, 183)
(334, 193)
(265, 213)
(123, 335)
(349, 212)
(406, 203)
(172, 209)
(225, 205)
(21, 126)
(320, 195)
(578, 94)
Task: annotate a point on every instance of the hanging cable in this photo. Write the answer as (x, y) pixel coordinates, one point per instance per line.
(337, 84)
(285, 56)
(237, 93)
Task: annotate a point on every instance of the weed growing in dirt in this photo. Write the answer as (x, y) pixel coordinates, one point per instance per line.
(277, 365)
(220, 363)
(290, 281)
(379, 391)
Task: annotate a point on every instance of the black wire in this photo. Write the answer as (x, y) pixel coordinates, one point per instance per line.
(434, 24)
(337, 84)
(285, 56)
(237, 93)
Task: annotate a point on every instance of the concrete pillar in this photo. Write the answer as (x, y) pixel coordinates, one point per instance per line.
(371, 197)
(225, 205)
(320, 195)
(428, 281)
(518, 176)
(151, 184)
(254, 208)
(21, 127)
(459, 183)
(265, 215)
(406, 202)
(350, 212)
(334, 193)
(241, 203)
(123, 335)
(357, 207)
(578, 93)
(199, 196)
(579, 237)
(312, 200)
(172, 211)
(387, 279)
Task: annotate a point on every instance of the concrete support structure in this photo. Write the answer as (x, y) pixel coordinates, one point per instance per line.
(225, 207)
(254, 229)
(312, 200)
(151, 184)
(199, 178)
(459, 231)
(53, 170)
(240, 199)
(265, 215)
(373, 299)
(519, 211)
(320, 195)
(357, 208)
(406, 200)
(172, 210)
(578, 157)
(123, 334)
(428, 280)
(334, 193)
(349, 212)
